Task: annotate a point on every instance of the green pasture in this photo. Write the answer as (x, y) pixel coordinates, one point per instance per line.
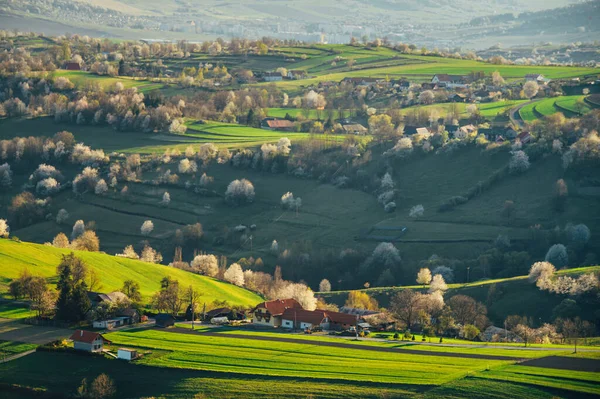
(248, 356)
(81, 78)
(42, 260)
(12, 311)
(9, 348)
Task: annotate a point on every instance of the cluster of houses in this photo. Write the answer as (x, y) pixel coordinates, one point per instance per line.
(278, 77)
(124, 316)
(289, 314)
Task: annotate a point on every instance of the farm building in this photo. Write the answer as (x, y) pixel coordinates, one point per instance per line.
(224, 312)
(363, 81)
(115, 322)
(464, 131)
(272, 77)
(450, 81)
(361, 313)
(278, 124)
(535, 77)
(269, 313)
(88, 341)
(355, 128)
(72, 66)
(297, 74)
(308, 319)
(96, 298)
(127, 354)
(524, 137)
(164, 320)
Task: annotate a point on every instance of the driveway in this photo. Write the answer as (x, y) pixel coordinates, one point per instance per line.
(14, 330)
(518, 121)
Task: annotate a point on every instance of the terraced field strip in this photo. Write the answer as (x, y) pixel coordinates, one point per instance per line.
(300, 359)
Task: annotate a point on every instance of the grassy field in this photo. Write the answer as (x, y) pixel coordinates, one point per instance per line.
(221, 134)
(42, 260)
(487, 110)
(568, 105)
(9, 348)
(181, 365)
(11, 311)
(417, 68)
(81, 78)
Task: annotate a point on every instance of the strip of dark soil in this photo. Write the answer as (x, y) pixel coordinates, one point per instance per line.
(565, 363)
(347, 346)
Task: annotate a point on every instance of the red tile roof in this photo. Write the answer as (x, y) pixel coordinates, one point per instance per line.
(278, 306)
(280, 123)
(314, 317)
(341, 318)
(87, 337)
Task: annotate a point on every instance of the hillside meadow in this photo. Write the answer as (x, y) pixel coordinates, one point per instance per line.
(42, 260)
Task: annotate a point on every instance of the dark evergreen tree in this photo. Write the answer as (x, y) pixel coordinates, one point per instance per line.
(73, 302)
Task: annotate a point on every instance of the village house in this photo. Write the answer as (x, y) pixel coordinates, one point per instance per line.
(308, 319)
(269, 313)
(457, 98)
(450, 81)
(363, 81)
(464, 132)
(272, 77)
(278, 124)
(72, 66)
(524, 137)
(297, 74)
(88, 341)
(536, 77)
(355, 128)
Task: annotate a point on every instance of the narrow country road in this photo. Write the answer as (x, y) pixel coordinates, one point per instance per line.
(518, 121)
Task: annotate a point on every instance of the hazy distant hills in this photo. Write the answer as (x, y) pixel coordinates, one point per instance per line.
(442, 23)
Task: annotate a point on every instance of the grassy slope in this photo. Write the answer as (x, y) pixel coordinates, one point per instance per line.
(80, 78)
(42, 260)
(515, 295)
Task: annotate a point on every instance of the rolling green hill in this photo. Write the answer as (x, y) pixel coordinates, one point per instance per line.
(503, 297)
(42, 260)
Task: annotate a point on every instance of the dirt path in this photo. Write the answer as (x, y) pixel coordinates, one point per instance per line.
(346, 346)
(565, 363)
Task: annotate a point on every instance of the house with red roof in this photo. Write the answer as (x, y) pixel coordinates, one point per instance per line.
(269, 313)
(88, 341)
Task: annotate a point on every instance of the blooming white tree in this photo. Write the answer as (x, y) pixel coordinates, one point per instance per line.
(187, 166)
(437, 284)
(324, 285)
(177, 127)
(387, 183)
(62, 216)
(4, 228)
(147, 228)
(234, 275)
(239, 192)
(541, 270)
(149, 254)
(403, 147)
(519, 162)
(101, 187)
(78, 229)
(557, 255)
(416, 211)
(205, 180)
(275, 247)
(5, 175)
(129, 252)
(424, 276)
(283, 146)
(289, 202)
(207, 152)
(166, 199)
(47, 186)
(206, 264)
(530, 89)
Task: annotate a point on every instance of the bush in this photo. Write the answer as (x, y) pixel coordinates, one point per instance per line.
(451, 203)
(396, 336)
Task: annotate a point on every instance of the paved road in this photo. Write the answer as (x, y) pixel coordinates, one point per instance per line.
(518, 121)
(332, 344)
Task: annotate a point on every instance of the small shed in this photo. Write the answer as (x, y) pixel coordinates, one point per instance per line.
(88, 341)
(164, 320)
(127, 354)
